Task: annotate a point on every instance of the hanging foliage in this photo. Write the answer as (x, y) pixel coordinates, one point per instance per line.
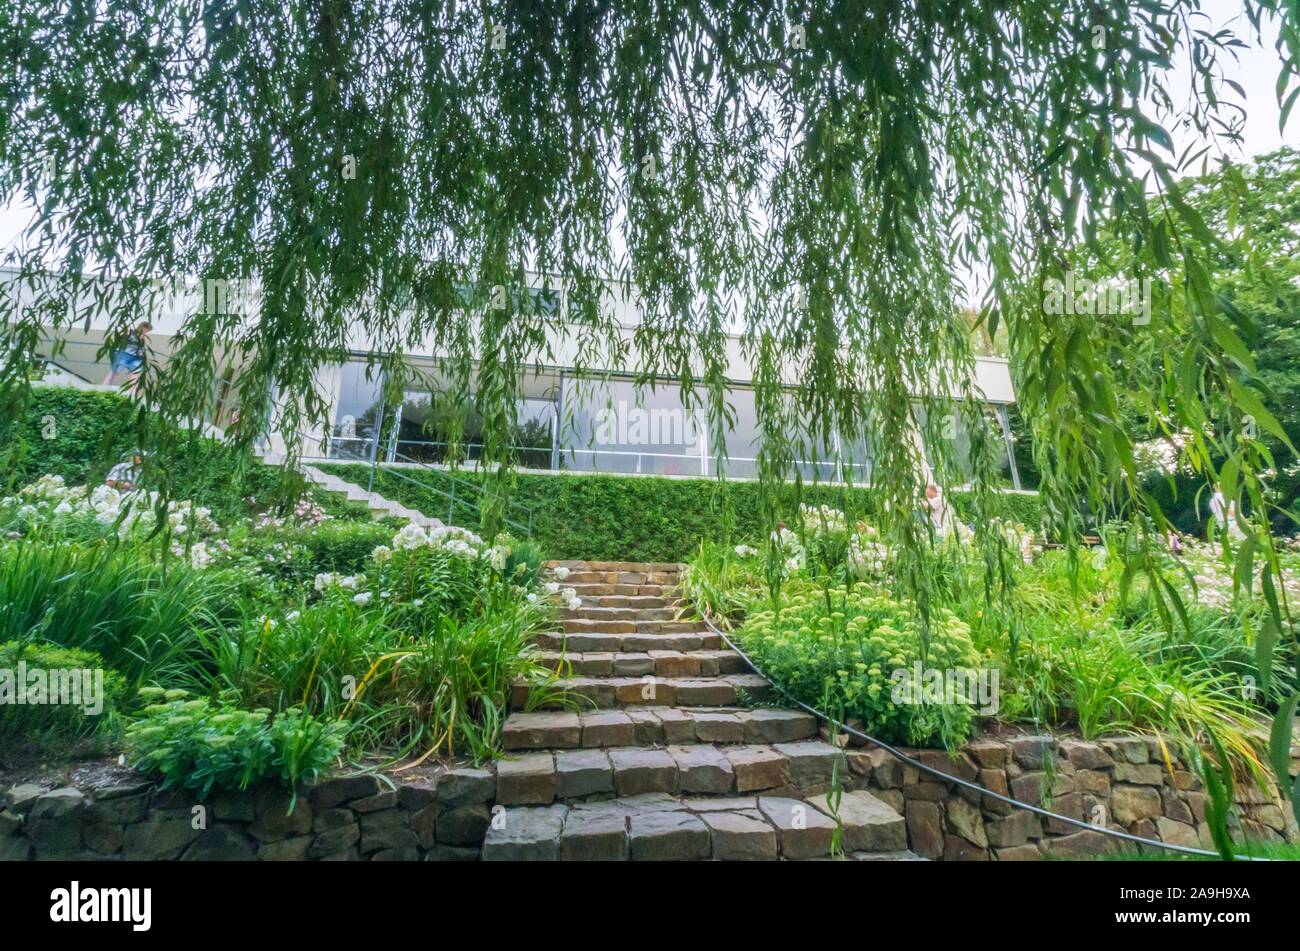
(817, 177)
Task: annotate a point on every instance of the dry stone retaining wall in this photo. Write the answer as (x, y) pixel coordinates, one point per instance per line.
(1122, 781)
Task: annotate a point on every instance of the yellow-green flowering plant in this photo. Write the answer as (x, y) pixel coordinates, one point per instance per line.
(862, 652)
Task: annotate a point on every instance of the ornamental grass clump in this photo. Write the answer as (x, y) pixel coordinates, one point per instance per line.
(857, 652)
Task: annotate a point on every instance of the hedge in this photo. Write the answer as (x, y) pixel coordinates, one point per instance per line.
(81, 434)
(633, 518)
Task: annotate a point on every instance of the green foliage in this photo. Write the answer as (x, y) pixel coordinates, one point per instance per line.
(407, 682)
(640, 518)
(81, 434)
(852, 650)
(200, 745)
(136, 613)
(44, 721)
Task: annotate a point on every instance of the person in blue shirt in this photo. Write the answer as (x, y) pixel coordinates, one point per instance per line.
(130, 359)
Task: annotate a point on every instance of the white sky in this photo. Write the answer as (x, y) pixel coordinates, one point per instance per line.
(1256, 70)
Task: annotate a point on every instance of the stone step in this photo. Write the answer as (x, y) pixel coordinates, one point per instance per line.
(591, 589)
(602, 612)
(600, 641)
(660, 663)
(663, 827)
(538, 778)
(637, 601)
(666, 567)
(605, 692)
(656, 578)
(585, 625)
(654, 725)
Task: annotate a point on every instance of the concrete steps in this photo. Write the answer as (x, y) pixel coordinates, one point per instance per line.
(650, 752)
(379, 506)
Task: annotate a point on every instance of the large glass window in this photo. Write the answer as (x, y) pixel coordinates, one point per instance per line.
(613, 428)
(357, 412)
(425, 428)
(743, 439)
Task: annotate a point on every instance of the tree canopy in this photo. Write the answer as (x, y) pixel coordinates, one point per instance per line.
(818, 177)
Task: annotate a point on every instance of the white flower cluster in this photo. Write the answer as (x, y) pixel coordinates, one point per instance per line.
(867, 558)
(306, 514)
(327, 579)
(746, 551)
(1017, 536)
(567, 595)
(793, 556)
(50, 496)
(457, 541)
(819, 519)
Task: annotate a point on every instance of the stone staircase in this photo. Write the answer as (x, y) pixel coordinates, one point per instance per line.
(665, 757)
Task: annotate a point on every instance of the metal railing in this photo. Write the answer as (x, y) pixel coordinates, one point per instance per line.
(470, 494)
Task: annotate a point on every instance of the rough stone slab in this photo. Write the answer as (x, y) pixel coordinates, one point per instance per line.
(333, 792)
(526, 780)
(633, 664)
(583, 773)
(705, 693)
(594, 836)
(765, 725)
(718, 727)
(925, 828)
(868, 824)
(556, 730)
(702, 769)
(607, 728)
(678, 727)
(57, 804)
(811, 761)
(632, 805)
(741, 836)
(646, 725)
(643, 771)
(525, 834)
(221, 842)
(804, 832)
(463, 825)
(757, 767)
(465, 785)
(668, 836)
(671, 663)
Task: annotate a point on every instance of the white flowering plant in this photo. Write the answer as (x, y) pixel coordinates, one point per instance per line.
(49, 507)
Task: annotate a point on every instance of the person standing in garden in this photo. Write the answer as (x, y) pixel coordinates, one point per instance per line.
(126, 473)
(1224, 512)
(130, 359)
(937, 511)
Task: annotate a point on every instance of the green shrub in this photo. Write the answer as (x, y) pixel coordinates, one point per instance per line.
(45, 664)
(81, 434)
(641, 518)
(201, 746)
(850, 653)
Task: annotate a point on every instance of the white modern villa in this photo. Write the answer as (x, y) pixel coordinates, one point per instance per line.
(588, 422)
